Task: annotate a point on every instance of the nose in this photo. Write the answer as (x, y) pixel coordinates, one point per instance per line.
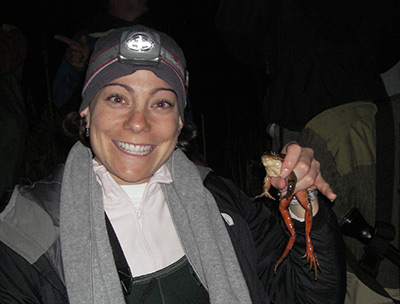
(137, 121)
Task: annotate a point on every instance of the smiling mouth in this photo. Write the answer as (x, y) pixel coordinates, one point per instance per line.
(134, 149)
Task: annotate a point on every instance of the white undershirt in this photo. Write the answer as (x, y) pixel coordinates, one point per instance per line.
(135, 193)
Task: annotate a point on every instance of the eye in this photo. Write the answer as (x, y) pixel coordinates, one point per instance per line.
(116, 99)
(163, 104)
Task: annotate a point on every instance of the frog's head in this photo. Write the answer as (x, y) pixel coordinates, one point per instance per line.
(272, 163)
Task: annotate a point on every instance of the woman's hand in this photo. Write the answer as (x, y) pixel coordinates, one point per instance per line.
(307, 169)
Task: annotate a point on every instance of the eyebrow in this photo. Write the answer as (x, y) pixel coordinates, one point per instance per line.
(130, 90)
(163, 89)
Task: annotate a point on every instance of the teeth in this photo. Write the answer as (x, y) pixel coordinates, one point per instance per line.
(134, 149)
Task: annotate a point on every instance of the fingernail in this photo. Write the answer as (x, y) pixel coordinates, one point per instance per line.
(285, 173)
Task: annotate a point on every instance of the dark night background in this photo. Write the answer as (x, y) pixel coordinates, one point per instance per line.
(225, 94)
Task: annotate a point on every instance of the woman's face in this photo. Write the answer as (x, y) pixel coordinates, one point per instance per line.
(134, 126)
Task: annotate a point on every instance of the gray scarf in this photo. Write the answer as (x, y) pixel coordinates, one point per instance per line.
(89, 268)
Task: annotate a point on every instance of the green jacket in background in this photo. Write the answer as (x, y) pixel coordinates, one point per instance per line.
(343, 139)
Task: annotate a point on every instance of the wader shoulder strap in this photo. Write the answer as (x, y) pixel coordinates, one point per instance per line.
(124, 272)
(385, 150)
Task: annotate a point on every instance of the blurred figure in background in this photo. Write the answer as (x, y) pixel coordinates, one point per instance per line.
(13, 119)
(358, 144)
(318, 54)
(113, 14)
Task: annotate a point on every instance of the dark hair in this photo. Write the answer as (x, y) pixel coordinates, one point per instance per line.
(75, 128)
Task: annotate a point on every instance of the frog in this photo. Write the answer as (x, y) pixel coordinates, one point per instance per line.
(272, 161)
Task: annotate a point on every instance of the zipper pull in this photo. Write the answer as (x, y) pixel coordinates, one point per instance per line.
(139, 215)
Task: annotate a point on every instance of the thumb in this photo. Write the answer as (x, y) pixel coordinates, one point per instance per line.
(85, 46)
(83, 41)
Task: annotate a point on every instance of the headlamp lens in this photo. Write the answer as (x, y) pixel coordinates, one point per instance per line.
(140, 48)
(139, 43)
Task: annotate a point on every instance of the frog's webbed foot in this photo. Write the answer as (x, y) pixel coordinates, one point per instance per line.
(267, 194)
(267, 186)
(312, 258)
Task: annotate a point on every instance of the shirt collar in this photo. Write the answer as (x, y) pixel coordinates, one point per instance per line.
(162, 175)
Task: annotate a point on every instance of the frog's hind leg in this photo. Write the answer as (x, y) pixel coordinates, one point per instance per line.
(267, 186)
(283, 208)
(302, 197)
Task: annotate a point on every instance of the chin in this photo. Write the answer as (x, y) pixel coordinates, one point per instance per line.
(126, 179)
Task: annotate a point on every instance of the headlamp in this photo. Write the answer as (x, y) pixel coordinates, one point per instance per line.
(142, 48)
(126, 50)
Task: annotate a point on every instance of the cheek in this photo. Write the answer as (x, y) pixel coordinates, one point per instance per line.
(170, 131)
(100, 128)
(103, 121)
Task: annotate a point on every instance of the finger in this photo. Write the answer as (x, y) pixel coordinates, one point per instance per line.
(75, 59)
(83, 41)
(304, 164)
(73, 55)
(72, 52)
(76, 47)
(286, 147)
(85, 47)
(279, 183)
(307, 182)
(306, 173)
(324, 187)
(64, 39)
(293, 152)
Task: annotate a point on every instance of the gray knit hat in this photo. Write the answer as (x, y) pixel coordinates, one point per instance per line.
(126, 50)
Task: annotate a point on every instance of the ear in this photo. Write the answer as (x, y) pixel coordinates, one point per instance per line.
(180, 123)
(86, 115)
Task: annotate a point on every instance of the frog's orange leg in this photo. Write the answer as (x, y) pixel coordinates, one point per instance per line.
(302, 197)
(283, 208)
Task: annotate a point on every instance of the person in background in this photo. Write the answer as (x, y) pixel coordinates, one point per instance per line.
(317, 54)
(129, 218)
(358, 146)
(13, 117)
(69, 79)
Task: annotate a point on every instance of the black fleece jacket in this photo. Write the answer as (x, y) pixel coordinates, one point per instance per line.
(258, 237)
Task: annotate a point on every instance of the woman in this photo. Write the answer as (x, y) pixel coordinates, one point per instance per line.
(133, 212)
